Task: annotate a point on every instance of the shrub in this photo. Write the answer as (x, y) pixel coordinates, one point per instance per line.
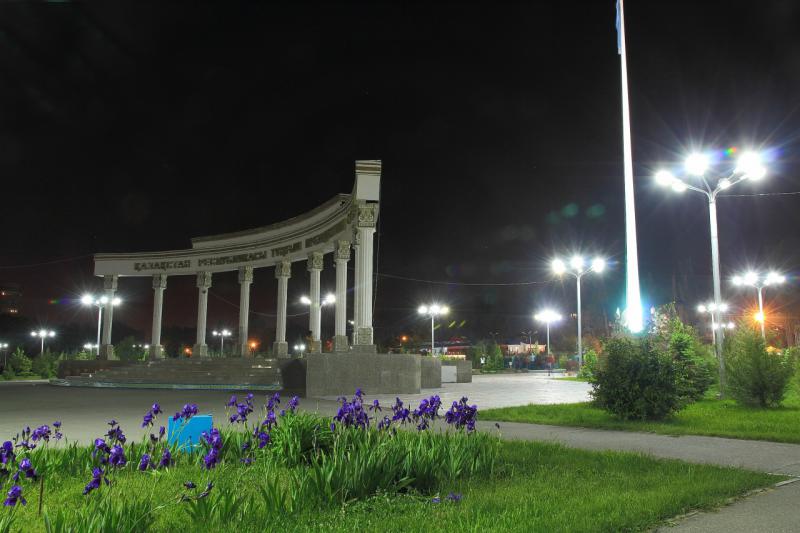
(756, 376)
(494, 358)
(127, 351)
(589, 365)
(694, 373)
(45, 365)
(8, 374)
(20, 363)
(636, 381)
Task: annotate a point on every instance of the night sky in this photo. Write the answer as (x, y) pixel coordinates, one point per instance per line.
(128, 127)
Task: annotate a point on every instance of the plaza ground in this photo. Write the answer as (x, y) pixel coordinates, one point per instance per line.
(85, 411)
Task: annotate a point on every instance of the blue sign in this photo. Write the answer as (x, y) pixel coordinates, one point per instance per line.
(187, 434)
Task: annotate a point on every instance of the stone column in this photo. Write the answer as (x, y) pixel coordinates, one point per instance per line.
(110, 287)
(245, 279)
(342, 256)
(283, 271)
(365, 226)
(356, 290)
(315, 315)
(203, 284)
(159, 284)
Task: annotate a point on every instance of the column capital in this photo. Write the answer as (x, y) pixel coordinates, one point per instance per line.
(314, 261)
(356, 238)
(283, 269)
(159, 281)
(342, 251)
(367, 215)
(245, 274)
(204, 280)
(110, 282)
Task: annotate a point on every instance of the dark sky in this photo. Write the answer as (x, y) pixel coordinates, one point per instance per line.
(129, 127)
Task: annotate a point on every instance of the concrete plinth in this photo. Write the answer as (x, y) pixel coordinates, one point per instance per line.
(106, 352)
(342, 373)
(431, 372)
(463, 370)
(340, 343)
(280, 349)
(200, 350)
(156, 352)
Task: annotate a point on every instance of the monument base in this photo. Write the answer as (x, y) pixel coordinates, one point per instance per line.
(431, 372)
(336, 374)
(200, 350)
(106, 353)
(156, 352)
(280, 349)
(340, 343)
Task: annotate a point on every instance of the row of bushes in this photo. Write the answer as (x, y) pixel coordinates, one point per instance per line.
(20, 365)
(660, 373)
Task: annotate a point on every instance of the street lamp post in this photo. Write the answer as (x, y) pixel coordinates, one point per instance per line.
(547, 316)
(43, 334)
(577, 268)
(221, 334)
(100, 303)
(749, 166)
(712, 309)
(299, 348)
(315, 324)
(753, 279)
(4, 348)
(433, 310)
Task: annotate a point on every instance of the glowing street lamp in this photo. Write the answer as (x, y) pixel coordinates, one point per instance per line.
(100, 303)
(299, 348)
(578, 267)
(715, 310)
(4, 348)
(433, 310)
(314, 324)
(753, 279)
(749, 166)
(221, 334)
(43, 334)
(548, 316)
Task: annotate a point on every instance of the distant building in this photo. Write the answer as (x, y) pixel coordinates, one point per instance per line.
(10, 296)
(522, 348)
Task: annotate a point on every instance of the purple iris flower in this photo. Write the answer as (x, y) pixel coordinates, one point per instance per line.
(263, 439)
(376, 406)
(190, 485)
(436, 500)
(112, 422)
(7, 452)
(454, 497)
(117, 456)
(41, 433)
(26, 467)
(233, 401)
(166, 459)
(161, 432)
(249, 397)
(147, 420)
(98, 476)
(206, 492)
(57, 424)
(14, 497)
(156, 409)
(144, 464)
(293, 403)
(247, 461)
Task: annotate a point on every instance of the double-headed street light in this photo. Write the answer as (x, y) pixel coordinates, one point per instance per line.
(221, 334)
(577, 267)
(748, 167)
(315, 317)
(433, 311)
(299, 348)
(43, 334)
(100, 303)
(4, 348)
(548, 316)
(713, 309)
(759, 281)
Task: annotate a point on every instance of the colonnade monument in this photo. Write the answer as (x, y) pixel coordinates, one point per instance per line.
(343, 226)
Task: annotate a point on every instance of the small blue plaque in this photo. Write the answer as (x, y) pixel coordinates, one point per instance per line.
(186, 434)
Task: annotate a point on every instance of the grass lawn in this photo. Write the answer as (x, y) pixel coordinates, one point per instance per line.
(720, 418)
(572, 378)
(535, 487)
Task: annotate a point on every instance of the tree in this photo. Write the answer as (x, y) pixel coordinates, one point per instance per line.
(126, 350)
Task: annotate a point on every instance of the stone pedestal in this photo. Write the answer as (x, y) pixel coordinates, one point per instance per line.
(280, 349)
(200, 350)
(340, 343)
(106, 352)
(156, 352)
(335, 374)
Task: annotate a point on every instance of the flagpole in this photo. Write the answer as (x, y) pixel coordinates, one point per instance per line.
(634, 305)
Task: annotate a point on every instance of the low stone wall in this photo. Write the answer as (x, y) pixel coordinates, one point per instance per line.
(293, 374)
(75, 367)
(463, 370)
(431, 368)
(334, 374)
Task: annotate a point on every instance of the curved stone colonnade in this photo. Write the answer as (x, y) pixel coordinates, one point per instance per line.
(345, 221)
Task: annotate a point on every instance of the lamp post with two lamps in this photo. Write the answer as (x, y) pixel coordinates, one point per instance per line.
(713, 309)
(758, 281)
(577, 268)
(548, 316)
(748, 166)
(315, 318)
(100, 303)
(433, 310)
(43, 334)
(4, 348)
(221, 334)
